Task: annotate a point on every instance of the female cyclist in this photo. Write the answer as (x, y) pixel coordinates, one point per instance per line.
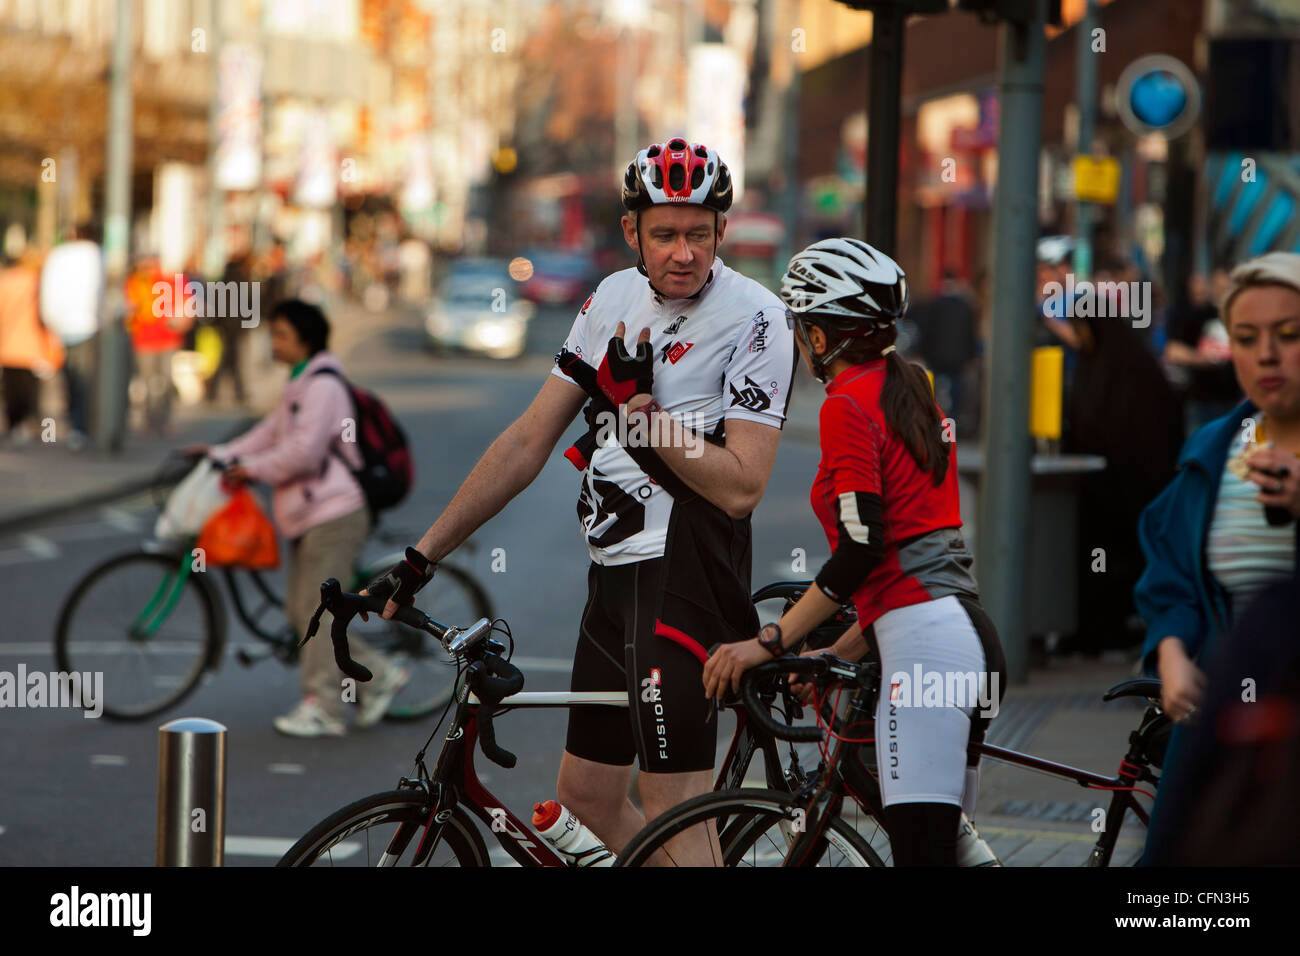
(886, 495)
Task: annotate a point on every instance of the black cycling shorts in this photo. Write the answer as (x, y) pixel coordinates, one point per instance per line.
(667, 724)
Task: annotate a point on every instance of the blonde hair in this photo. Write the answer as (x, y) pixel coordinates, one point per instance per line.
(1272, 268)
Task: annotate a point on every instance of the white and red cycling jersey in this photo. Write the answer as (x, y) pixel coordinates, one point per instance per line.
(725, 353)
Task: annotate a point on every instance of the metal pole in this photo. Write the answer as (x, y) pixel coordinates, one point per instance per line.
(111, 367)
(1086, 99)
(1003, 527)
(881, 212)
(191, 793)
(214, 252)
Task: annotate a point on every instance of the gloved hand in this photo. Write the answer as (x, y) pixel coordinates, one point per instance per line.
(400, 583)
(621, 375)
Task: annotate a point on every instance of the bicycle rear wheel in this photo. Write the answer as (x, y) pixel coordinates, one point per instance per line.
(144, 621)
(386, 829)
(455, 598)
(755, 828)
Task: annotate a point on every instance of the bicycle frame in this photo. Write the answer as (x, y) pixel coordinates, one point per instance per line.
(852, 777)
(454, 781)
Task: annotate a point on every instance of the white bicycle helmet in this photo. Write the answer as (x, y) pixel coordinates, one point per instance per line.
(845, 287)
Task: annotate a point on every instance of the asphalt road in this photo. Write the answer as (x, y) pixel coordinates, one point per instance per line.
(76, 791)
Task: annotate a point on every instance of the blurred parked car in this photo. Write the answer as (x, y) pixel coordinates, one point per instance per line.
(559, 278)
(479, 309)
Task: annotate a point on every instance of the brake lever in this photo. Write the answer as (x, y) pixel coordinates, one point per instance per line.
(312, 627)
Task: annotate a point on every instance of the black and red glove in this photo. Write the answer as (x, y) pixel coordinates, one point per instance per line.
(402, 581)
(621, 375)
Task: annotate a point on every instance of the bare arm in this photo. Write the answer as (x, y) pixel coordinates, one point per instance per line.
(508, 467)
(732, 476)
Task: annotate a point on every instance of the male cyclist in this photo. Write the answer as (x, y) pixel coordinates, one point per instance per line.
(666, 514)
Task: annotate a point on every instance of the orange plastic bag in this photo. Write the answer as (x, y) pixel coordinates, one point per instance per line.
(240, 533)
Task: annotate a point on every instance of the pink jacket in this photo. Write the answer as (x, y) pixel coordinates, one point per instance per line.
(295, 450)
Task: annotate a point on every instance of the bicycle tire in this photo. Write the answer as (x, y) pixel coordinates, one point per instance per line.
(85, 612)
(433, 674)
(744, 840)
(410, 810)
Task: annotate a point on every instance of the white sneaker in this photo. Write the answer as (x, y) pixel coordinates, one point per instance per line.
(971, 848)
(375, 702)
(309, 719)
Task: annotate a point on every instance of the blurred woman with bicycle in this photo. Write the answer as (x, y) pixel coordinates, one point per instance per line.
(886, 495)
(300, 450)
(1224, 529)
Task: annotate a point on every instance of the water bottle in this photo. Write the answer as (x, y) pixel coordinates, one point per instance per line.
(562, 830)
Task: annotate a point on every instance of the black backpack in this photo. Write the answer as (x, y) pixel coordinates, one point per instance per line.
(387, 472)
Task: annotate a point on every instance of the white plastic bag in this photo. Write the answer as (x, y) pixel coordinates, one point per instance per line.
(191, 503)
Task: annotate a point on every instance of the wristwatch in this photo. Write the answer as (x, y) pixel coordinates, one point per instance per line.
(771, 644)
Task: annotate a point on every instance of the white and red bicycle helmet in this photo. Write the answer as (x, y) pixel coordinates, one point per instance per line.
(677, 172)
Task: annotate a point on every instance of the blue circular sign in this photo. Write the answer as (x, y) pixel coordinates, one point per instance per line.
(1158, 98)
(1158, 93)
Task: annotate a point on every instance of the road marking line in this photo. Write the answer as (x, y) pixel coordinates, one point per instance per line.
(115, 647)
(119, 518)
(40, 547)
(107, 760)
(287, 768)
(258, 846)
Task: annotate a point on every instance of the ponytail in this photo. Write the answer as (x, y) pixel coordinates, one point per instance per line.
(911, 413)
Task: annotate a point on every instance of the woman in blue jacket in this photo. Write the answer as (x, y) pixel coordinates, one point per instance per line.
(1209, 547)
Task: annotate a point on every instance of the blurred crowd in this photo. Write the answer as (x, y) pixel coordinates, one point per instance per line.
(51, 313)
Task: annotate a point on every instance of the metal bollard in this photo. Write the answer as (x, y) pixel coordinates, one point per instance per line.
(191, 792)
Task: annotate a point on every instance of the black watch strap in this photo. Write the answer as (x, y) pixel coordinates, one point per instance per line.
(771, 644)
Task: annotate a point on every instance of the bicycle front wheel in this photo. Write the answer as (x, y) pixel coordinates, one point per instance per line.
(387, 829)
(755, 828)
(145, 622)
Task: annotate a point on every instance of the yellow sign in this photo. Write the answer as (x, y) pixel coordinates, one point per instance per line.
(1046, 385)
(1096, 178)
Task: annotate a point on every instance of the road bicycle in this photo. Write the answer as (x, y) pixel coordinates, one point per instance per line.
(429, 819)
(848, 770)
(153, 621)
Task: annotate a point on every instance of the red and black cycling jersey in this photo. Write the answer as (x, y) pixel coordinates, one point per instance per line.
(895, 536)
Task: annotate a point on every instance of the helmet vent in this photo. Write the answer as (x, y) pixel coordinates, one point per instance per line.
(676, 176)
(697, 177)
(652, 152)
(676, 144)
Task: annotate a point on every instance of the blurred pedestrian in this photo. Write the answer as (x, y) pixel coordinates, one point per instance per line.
(948, 343)
(157, 320)
(318, 505)
(1116, 380)
(1209, 544)
(71, 285)
(1198, 343)
(28, 351)
(228, 327)
(1232, 795)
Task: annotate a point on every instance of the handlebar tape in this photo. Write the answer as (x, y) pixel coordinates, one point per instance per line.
(759, 712)
(492, 680)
